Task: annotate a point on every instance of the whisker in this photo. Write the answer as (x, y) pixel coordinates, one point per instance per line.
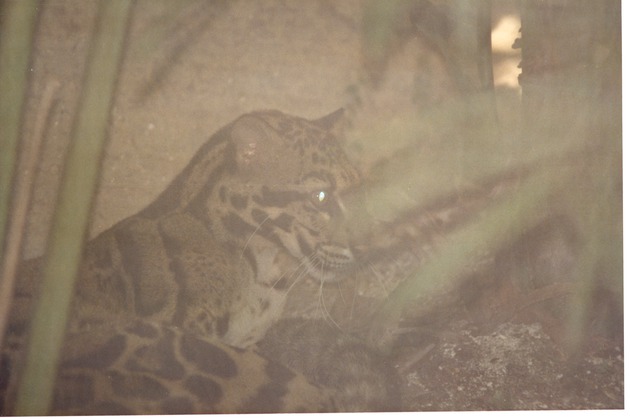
(343, 298)
(322, 301)
(378, 277)
(355, 293)
(303, 273)
(303, 268)
(252, 235)
(281, 276)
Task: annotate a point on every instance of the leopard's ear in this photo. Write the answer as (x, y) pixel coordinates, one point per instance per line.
(332, 121)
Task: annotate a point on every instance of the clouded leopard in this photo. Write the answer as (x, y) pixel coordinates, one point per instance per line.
(170, 302)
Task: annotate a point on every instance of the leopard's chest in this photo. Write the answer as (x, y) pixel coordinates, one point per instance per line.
(173, 270)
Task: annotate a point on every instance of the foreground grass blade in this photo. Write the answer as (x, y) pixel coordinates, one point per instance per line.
(16, 36)
(72, 214)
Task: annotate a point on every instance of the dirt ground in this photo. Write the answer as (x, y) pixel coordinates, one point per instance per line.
(191, 67)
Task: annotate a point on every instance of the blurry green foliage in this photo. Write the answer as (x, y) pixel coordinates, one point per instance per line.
(567, 150)
(17, 20)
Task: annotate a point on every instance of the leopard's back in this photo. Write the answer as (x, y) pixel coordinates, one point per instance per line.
(146, 368)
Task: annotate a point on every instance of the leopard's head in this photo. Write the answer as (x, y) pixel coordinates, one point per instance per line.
(281, 185)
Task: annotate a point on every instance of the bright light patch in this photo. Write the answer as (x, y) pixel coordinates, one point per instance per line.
(506, 59)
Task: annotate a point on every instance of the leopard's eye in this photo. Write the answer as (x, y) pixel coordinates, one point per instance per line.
(320, 197)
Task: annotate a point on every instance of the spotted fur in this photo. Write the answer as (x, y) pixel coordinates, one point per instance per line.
(167, 299)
